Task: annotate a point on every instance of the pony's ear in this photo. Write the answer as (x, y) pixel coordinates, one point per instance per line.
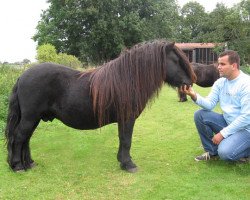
(170, 46)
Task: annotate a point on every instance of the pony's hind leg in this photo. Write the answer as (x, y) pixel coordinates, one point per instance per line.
(125, 138)
(20, 157)
(28, 162)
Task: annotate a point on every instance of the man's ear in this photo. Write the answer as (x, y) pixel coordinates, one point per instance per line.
(235, 66)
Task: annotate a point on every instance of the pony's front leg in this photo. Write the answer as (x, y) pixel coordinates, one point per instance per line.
(182, 96)
(125, 138)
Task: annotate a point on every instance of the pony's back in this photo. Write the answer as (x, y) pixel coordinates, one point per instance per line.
(206, 74)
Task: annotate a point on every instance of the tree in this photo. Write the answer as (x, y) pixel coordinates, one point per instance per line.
(89, 30)
(161, 20)
(230, 26)
(193, 18)
(243, 43)
(97, 31)
(26, 61)
(223, 25)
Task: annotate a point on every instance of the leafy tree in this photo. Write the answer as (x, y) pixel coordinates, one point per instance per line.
(230, 26)
(90, 30)
(26, 61)
(162, 20)
(193, 18)
(243, 43)
(97, 30)
(223, 25)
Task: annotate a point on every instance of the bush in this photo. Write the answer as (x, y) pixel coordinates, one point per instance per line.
(8, 77)
(68, 60)
(47, 53)
(246, 69)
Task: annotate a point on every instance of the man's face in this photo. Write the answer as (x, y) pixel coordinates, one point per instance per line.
(225, 68)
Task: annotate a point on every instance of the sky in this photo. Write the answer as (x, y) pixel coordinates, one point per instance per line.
(18, 21)
(19, 18)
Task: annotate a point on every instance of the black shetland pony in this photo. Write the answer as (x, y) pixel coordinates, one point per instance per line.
(206, 76)
(118, 92)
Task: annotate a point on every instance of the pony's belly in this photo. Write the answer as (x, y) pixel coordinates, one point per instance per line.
(82, 126)
(85, 125)
(79, 122)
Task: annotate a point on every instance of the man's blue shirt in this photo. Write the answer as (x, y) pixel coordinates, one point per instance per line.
(234, 98)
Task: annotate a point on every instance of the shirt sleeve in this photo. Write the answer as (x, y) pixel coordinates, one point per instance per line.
(243, 120)
(211, 100)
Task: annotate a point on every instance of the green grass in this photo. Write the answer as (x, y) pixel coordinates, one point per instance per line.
(76, 164)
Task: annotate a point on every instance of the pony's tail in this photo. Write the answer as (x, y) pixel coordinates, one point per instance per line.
(13, 120)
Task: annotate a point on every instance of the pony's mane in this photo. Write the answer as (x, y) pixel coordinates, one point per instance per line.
(131, 80)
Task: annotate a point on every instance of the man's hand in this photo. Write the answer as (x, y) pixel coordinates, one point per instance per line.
(188, 90)
(217, 138)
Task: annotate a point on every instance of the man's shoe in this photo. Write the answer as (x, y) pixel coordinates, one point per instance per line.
(244, 160)
(205, 156)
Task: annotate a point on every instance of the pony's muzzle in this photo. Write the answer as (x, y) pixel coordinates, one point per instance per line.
(186, 85)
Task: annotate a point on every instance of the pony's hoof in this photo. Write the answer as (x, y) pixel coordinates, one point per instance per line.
(128, 168)
(19, 171)
(132, 170)
(32, 165)
(182, 100)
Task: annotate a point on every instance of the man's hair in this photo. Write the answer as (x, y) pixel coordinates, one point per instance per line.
(233, 57)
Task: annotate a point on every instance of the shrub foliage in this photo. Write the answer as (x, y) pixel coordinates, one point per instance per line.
(8, 77)
(47, 53)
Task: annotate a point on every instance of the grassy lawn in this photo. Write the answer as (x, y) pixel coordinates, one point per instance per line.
(73, 164)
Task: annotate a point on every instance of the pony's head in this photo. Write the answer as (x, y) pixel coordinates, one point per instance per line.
(178, 70)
